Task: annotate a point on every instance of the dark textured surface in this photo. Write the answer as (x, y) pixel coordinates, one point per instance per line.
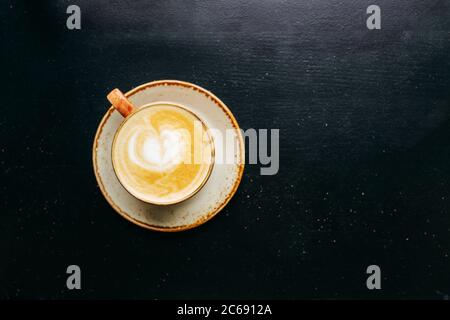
(364, 175)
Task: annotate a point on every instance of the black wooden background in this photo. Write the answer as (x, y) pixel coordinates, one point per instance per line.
(364, 119)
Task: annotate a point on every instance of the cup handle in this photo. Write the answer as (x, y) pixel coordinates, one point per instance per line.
(120, 102)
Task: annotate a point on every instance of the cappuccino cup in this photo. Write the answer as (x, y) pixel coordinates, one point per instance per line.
(162, 153)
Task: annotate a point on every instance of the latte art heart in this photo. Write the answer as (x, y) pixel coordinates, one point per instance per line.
(156, 153)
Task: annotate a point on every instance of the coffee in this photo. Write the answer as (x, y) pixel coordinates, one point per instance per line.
(162, 153)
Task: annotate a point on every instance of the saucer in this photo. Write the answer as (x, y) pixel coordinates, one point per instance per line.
(205, 204)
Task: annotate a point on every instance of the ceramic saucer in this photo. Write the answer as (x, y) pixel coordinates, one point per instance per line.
(215, 194)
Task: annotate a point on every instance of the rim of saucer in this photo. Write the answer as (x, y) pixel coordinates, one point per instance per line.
(240, 164)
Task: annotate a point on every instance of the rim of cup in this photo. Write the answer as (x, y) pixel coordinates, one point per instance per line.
(205, 127)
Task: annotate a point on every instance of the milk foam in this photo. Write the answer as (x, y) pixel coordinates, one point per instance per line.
(155, 151)
(159, 152)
